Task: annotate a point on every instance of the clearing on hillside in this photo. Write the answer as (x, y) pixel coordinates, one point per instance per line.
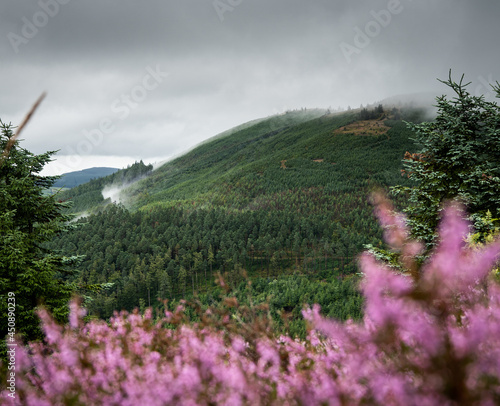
(365, 127)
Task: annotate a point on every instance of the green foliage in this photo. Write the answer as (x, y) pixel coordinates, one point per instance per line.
(166, 253)
(281, 301)
(490, 230)
(286, 296)
(28, 219)
(459, 158)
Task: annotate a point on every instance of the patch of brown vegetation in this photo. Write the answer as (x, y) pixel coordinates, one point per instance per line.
(318, 160)
(365, 127)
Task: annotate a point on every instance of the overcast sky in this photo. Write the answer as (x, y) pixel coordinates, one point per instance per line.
(130, 80)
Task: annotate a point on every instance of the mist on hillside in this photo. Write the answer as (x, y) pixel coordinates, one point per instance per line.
(113, 193)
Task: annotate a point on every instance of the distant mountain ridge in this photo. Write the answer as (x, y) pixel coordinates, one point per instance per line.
(71, 179)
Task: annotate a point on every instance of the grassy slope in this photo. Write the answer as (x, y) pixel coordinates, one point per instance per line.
(236, 169)
(187, 175)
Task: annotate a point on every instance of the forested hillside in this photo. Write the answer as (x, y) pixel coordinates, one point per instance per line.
(282, 198)
(90, 196)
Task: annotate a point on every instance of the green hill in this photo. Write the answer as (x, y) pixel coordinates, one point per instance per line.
(280, 198)
(277, 155)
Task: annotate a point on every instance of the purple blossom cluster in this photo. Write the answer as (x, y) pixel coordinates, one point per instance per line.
(429, 337)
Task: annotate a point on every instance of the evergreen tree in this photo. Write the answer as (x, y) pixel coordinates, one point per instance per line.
(459, 158)
(29, 217)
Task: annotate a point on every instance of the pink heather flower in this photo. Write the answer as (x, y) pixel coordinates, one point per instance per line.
(51, 329)
(269, 356)
(239, 345)
(423, 341)
(393, 224)
(391, 390)
(76, 313)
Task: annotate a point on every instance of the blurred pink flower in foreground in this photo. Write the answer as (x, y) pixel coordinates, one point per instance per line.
(426, 340)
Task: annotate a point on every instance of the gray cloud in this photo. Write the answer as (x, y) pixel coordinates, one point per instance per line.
(252, 59)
